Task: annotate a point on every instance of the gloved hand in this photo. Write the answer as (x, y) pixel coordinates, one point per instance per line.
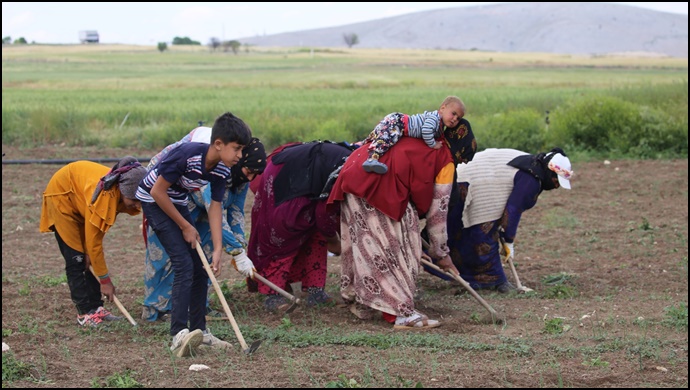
(509, 249)
(243, 264)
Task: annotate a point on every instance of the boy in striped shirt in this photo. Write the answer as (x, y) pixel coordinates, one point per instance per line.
(163, 195)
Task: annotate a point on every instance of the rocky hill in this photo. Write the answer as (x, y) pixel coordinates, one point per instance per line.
(567, 28)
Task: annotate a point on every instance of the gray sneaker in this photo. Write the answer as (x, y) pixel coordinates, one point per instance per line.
(212, 341)
(185, 342)
(373, 165)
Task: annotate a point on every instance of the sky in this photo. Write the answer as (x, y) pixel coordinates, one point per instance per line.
(145, 23)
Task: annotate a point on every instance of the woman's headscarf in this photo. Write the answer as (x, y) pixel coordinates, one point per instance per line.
(253, 158)
(538, 166)
(127, 173)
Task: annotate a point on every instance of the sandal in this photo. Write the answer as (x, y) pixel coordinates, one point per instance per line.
(421, 322)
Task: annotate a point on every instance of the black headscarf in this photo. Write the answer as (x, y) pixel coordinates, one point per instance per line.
(463, 146)
(538, 166)
(254, 158)
(307, 168)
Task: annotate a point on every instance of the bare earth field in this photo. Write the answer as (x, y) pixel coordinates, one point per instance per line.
(608, 261)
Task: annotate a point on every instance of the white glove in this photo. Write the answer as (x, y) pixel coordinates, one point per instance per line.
(243, 264)
(510, 250)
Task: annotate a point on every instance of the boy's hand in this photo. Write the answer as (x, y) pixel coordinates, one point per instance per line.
(437, 145)
(191, 235)
(217, 264)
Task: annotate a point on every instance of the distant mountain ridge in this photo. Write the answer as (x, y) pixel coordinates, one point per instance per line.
(566, 28)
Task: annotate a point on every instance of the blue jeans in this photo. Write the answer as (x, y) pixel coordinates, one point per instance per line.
(190, 284)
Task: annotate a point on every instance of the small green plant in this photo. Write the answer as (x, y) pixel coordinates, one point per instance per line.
(285, 323)
(25, 290)
(596, 362)
(676, 316)
(559, 278)
(474, 317)
(52, 281)
(342, 383)
(118, 380)
(13, 369)
(6, 332)
(553, 326)
(645, 224)
(560, 292)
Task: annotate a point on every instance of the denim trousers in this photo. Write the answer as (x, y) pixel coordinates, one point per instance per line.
(84, 288)
(190, 283)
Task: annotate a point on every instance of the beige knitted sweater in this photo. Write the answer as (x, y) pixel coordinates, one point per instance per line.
(491, 182)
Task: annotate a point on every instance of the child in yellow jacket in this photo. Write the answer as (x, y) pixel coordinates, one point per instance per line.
(80, 204)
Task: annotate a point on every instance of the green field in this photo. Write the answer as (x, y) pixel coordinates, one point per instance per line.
(135, 96)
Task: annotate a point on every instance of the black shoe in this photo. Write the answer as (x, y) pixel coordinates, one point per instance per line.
(276, 303)
(317, 296)
(505, 288)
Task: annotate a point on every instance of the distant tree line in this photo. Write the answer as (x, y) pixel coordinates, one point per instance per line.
(184, 41)
(19, 41)
(215, 43)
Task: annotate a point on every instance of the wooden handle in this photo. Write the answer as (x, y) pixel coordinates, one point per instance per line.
(221, 297)
(117, 303)
(279, 290)
(510, 263)
(465, 285)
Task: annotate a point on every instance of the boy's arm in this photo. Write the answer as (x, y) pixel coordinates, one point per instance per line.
(159, 192)
(428, 131)
(215, 218)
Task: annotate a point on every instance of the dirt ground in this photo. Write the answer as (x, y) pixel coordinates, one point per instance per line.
(618, 240)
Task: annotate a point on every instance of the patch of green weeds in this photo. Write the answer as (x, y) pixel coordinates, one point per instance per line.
(343, 382)
(13, 369)
(555, 279)
(25, 289)
(285, 323)
(553, 326)
(118, 380)
(645, 225)
(559, 288)
(560, 292)
(52, 281)
(676, 316)
(476, 318)
(596, 362)
(6, 332)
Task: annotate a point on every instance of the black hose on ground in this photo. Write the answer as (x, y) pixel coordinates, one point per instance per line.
(67, 161)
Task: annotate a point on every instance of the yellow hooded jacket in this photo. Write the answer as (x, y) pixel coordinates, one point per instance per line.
(67, 209)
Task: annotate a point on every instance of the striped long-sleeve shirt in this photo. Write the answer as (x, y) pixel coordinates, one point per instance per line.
(427, 126)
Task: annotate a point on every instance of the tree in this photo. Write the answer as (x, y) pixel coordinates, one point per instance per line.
(184, 41)
(162, 46)
(7, 40)
(20, 40)
(232, 45)
(214, 43)
(351, 39)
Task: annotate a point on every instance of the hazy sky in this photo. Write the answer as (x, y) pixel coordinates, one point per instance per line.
(149, 23)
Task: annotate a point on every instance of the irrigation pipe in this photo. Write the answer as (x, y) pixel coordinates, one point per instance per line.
(67, 161)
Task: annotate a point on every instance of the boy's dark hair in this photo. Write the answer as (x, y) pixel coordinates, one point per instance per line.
(229, 128)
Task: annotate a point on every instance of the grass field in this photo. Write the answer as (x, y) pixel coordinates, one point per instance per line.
(608, 260)
(135, 96)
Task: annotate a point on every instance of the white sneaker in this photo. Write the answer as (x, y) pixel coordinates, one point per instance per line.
(212, 341)
(185, 342)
